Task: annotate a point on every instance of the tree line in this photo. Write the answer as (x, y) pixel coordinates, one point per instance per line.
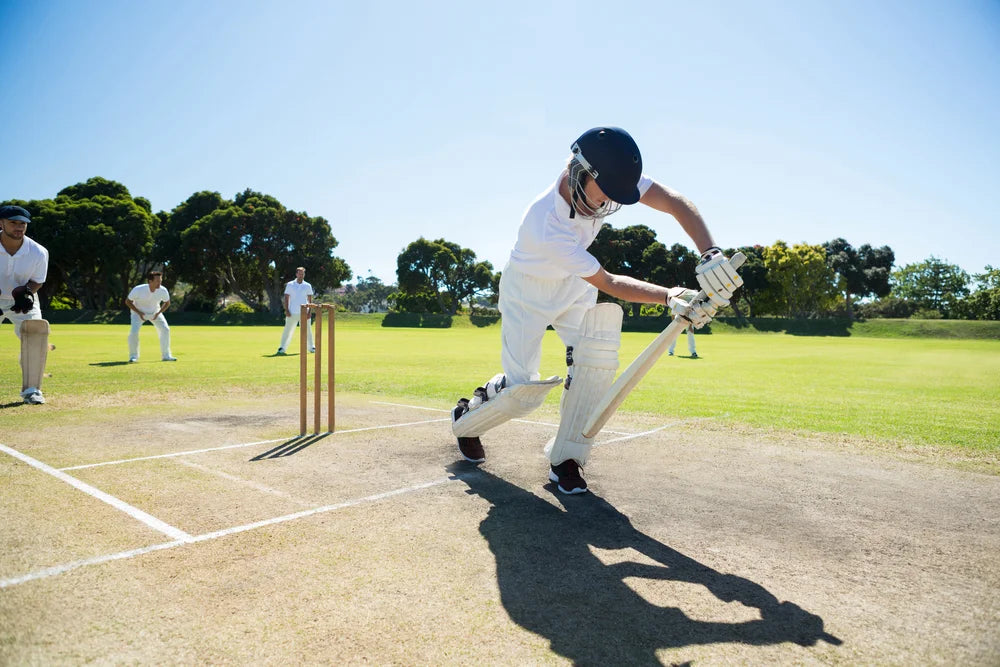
(798, 281)
(102, 240)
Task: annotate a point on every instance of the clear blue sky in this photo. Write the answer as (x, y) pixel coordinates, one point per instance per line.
(796, 120)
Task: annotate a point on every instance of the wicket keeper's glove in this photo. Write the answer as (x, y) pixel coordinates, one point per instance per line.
(24, 301)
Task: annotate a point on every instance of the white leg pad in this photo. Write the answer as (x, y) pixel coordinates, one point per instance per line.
(34, 352)
(595, 360)
(513, 402)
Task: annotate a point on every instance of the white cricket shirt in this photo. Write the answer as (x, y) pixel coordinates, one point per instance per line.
(550, 244)
(298, 294)
(146, 301)
(30, 262)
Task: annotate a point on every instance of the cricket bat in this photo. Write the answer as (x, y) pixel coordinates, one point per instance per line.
(630, 377)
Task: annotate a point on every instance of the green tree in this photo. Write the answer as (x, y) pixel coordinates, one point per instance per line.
(984, 303)
(805, 283)
(756, 288)
(250, 247)
(368, 295)
(671, 267)
(442, 270)
(187, 264)
(99, 240)
(932, 284)
(634, 251)
(860, 272)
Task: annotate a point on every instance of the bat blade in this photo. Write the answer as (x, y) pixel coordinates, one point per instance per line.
(631, 376)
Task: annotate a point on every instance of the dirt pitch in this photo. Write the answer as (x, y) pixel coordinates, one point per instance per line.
(699, 544)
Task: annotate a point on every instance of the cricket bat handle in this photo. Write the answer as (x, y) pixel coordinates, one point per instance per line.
(631, 376)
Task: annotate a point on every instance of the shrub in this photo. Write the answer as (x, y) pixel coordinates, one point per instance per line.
(236, 308)
(892, 307)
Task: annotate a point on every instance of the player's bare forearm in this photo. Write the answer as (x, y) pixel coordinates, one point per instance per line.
(627, 288)
(670, 201)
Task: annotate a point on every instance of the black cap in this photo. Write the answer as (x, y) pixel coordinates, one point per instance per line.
(14, 213)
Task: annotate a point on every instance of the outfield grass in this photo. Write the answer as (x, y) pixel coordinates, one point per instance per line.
(908, 390)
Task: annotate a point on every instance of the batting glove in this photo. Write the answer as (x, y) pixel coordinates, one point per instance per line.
(698, 313)
(24, 301)
(717, 277)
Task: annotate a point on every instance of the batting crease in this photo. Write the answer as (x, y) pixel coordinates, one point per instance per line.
(247, 444)
(184, 538)
(117, 503)
(97, 560)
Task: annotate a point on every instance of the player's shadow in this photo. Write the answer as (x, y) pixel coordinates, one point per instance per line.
(110, 363)
(289, 447)
(551, 583)
(13, 404)
(286, 354)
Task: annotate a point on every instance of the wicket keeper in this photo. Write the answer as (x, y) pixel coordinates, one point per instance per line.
(551, 279)
(24, 265)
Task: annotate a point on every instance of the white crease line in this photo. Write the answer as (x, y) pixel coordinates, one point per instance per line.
(246, 482)
(651, 431)
(66, 567)
(523, 421)
(325, 508)
(121, 505)
(163, 456)
(246, 444)
(415, 407)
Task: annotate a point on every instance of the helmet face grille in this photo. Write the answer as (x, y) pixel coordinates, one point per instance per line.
(581, 204)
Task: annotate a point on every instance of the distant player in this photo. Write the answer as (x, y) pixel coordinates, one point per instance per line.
(297, 293)
(24, 265)
(691, 347)
(148, 302)
(551, 279)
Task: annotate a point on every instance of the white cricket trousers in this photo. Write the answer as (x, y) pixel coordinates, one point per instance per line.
(16, 318)
(527, 306)
(290, 323)
(162, 328)
(691, 349)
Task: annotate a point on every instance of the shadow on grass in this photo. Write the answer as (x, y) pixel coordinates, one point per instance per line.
(551, 583)
(12, 404)
(110, 363)
(290, 447)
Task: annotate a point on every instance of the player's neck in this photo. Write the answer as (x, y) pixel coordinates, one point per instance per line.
(11, 245)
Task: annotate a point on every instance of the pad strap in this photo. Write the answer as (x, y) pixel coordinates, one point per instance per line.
(513, 402)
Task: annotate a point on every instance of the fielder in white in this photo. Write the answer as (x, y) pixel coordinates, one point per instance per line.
(24, 265)
(148, 302)
(297, 293)
(691, 348)
(551, 278)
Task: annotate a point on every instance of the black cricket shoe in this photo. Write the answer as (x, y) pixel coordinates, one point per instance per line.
(568, 476)
(471, 449)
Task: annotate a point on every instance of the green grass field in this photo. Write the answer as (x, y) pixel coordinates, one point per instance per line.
(909, 390)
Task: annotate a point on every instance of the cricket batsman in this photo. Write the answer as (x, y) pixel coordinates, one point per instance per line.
(24, 265)
(551, 279)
